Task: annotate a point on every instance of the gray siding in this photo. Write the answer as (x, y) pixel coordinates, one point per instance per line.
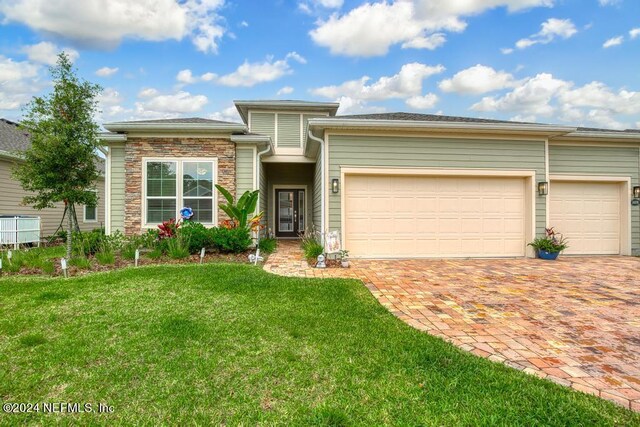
(396, 151)
(117, 188)
(317, 194)
(288, 130)
(11, 195)
(609, 161)
(244, 170)
(263, 123)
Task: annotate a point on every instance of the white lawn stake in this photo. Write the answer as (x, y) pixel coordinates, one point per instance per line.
(63, 264)
(9, 255)
(201, 255)
(0, 264)
(137, 256)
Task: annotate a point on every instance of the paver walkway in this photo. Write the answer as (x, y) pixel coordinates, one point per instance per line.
(575, 321)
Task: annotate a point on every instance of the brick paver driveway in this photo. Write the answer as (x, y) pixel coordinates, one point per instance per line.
(575, 321)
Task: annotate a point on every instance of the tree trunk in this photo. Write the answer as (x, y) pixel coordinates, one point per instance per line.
(69, 231)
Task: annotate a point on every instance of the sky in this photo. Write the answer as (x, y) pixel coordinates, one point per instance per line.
(571, 62)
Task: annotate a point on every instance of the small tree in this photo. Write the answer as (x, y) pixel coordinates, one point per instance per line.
(60, 165)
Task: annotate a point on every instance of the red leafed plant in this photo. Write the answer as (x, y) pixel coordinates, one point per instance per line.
(168, 228)
(228, 224)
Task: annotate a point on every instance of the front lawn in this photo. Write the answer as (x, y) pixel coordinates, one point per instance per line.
(231, 344)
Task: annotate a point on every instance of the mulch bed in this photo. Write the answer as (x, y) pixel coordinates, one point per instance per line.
(124, 263)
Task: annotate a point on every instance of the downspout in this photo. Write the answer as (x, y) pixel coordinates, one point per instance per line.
(259, 155)
(322, 183)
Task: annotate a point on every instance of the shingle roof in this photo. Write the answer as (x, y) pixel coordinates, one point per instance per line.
(12, 138)
(182, 120)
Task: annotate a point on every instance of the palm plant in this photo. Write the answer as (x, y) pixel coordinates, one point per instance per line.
(242, 211)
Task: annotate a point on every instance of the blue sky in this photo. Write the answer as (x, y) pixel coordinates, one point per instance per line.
(557, 61)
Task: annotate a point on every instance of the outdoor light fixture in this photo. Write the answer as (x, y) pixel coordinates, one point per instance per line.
(636, 192)
(335, 185)
(543, 188)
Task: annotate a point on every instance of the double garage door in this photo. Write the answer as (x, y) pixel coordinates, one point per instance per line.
(448, 216)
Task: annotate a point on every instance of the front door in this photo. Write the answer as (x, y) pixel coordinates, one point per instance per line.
(290, 212)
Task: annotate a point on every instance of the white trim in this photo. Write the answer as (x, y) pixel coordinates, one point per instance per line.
(546, 178)
(253, 170)
(529, 194)
(179, 187)
(107, 193)
(290, 187)
(84, 211)
(625, 202)
(288, 159)
(301, 130)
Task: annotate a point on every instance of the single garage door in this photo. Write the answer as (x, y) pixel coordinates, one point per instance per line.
(427, 216)
(588, 215)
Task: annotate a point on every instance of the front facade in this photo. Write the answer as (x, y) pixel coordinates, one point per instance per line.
(13, 141)
(393, 185)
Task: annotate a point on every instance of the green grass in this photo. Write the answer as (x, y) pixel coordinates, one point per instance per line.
(40, 258)
(231, 344)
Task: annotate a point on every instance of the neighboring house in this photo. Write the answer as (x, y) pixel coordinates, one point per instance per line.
(394, 185)
(13, 142)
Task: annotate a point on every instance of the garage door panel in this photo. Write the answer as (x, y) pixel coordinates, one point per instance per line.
(423, 216)
(588, 215)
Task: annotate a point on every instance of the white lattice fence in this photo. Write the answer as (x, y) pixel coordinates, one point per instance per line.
(19, 230)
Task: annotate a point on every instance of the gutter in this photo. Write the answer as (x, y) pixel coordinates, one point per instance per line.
(442, 125)
(602, 135)
(322, 183)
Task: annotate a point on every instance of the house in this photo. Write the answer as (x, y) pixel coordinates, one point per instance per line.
(14, 141)
(395, 185)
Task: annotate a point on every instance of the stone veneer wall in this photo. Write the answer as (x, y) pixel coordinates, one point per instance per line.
(159, 147)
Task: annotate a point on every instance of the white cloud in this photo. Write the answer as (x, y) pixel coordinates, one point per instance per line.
(19, 81)
(551, 29)
(634, 33)
(155, 104)
(430, 42)
(425, 102)
(244, 24)
(608, 2)
(105, 24)
(477, 80)
(106, 71)
(372, 28)
(614, 41)
(406, 83)
(349, 105)
(247, 74)
(229, 114)
(47, 53)
(309, 6)
(110, 103)
(285, 90)
(506, 50)
(543, 95)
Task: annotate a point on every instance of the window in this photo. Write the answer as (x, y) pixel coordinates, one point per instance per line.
(173, 184)
(90, 213)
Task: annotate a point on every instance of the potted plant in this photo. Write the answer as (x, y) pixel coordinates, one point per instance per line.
(549, 246)
(344, 258)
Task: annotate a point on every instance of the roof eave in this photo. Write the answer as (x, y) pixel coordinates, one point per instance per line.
(257, 140)
(243, 106)
(619, 136)
(112, 137)
(546, 130)
(165, 127)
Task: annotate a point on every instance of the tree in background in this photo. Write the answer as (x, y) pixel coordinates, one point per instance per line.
(60, 165)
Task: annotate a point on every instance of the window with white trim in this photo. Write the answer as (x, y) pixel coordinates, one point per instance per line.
(90, 213)
(172, 184)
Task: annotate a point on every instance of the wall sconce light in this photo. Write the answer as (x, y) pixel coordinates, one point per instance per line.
(543, 188)
(636, 192)
(335, 185)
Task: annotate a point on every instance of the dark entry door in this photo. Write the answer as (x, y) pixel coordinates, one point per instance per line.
(290, 218)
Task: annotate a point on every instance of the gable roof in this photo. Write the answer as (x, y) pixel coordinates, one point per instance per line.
(422, 118)
(12, 138)
(179, 120)
(196, 124)
(14, 141)
(284, 105)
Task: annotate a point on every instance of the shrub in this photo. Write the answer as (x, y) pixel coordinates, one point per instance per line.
(196, 234)
(310, 246)
(267, 245)
(106, 258)
(177, 247)
(234, 240)
(80, 262)
(47, 267)
(168, 228)
(85, 244)
(16, 263)
(155, 254)
(552, 242)
(129, 251)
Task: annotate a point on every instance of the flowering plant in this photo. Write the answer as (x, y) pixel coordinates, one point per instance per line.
(552, 242)
(168, 228)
